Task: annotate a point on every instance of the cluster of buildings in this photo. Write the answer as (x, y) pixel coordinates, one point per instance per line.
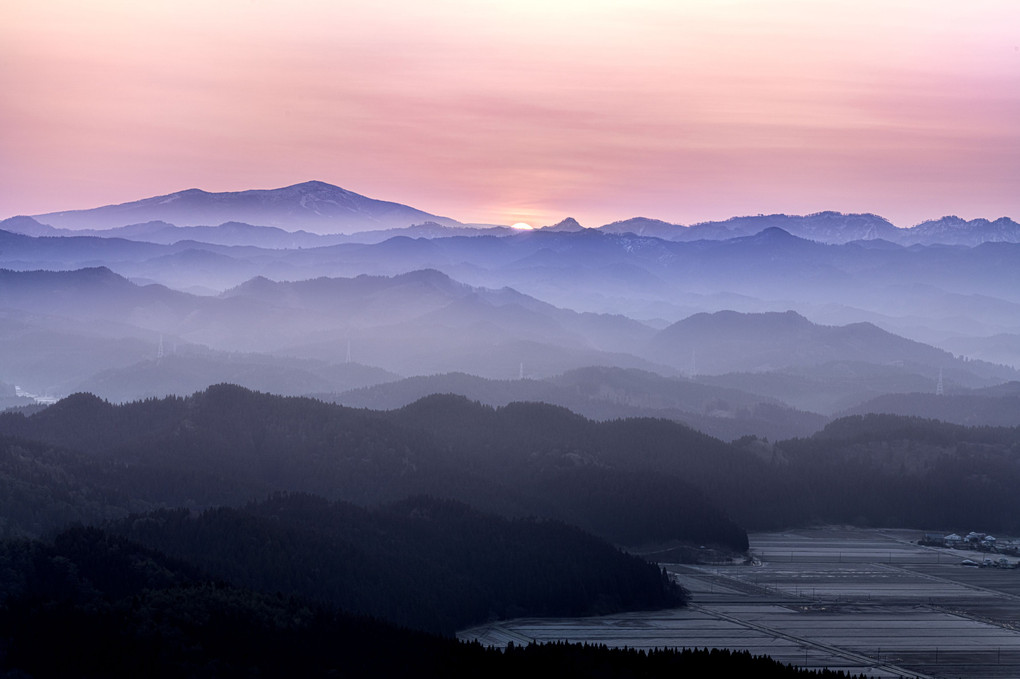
(981, 542)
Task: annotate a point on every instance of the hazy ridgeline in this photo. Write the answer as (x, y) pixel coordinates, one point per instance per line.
(93, 330)
(493, 411)
(633, 481)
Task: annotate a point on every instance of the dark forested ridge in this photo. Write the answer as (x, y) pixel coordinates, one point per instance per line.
(631, 481)
(894, 470)
(425, 563)
(228, 445)
(116, 609)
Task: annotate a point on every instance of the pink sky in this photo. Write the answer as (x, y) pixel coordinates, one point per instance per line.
(503, 111)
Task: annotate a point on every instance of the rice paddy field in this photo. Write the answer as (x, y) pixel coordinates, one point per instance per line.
(870, 602)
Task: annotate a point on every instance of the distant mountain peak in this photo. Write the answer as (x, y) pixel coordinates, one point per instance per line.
(772, 235)
(954, 230)
(312, 205)
(428, 276)
(568, 224)
(946, 220)
(255, 285)
(775, 232)
(27, 226)
(316, 184)
(726, 317)
(643, 226)
(75, 278)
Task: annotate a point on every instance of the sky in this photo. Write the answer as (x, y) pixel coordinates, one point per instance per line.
(520, 111)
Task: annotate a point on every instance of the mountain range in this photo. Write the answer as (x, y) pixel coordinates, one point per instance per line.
(94, 330)
(327, 211)
(759, 305)
(959, 298)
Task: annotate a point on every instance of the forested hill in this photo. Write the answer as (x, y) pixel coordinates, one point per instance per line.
(429, 564)
(116, 609)
(632, 482)
(877, 470)
(227, 445)
(890, 470)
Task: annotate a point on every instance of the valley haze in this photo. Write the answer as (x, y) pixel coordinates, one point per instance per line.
(215, 380)
(332, 330)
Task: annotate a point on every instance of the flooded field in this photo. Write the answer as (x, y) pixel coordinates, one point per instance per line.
(867, 601)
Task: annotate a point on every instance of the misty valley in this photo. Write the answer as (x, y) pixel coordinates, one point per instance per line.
(305, 432)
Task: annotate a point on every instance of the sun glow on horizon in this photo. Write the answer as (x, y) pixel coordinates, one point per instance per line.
(521, 226)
